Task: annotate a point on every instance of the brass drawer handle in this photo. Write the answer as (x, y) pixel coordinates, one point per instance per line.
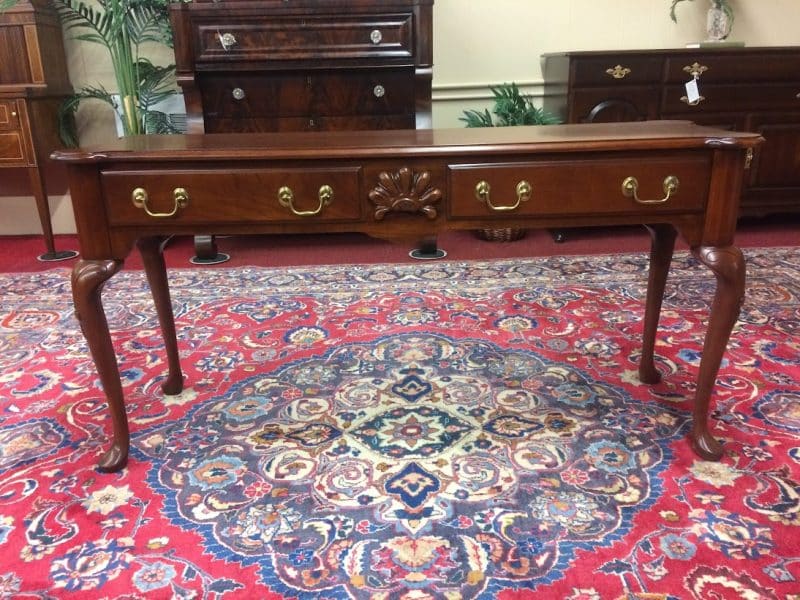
(286, 199)
(227, 40)
(238, 93)
(375, 36)
(483, 191)
(695, 70)
(139, 198)
(630, 189)
(619, 72)
(685, 100)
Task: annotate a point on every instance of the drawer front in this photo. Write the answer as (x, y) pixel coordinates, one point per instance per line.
(372, 92)
(13, 150)
(725, 67)
(732, 98)
(233, 196)
(9, 116)
(294, 38)
(616, 70)
(609, 105)
(576, 187)
(309, 123)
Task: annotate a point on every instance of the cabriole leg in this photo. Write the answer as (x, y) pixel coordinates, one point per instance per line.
(728, 266)
(88, 279)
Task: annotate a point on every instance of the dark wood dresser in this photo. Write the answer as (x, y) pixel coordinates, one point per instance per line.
(743, 89)
(307, 65)
(272, 65)
(33, 83)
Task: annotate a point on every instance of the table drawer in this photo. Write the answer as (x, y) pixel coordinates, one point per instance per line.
(734, 66)
(372, 92)
(618, 70)
(579, 187)
(233, 196)
(732, 98)
(297, 37)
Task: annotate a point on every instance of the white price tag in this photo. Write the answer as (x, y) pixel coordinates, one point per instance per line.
(692, 91)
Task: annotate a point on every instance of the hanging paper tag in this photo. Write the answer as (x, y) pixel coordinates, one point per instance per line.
(692, 91)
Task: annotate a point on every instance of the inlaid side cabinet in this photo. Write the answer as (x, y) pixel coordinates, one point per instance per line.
(33, 83)
(742, 89)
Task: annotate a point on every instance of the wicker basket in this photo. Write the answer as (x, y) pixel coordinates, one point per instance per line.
(503, 234)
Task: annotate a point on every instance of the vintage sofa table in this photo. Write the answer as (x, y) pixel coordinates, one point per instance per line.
(672, 176)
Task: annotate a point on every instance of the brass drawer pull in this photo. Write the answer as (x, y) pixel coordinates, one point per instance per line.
(630, 189)
(483, 191)
(227, 40)
(695, 70)
(238, 93)
(286, 199)
(139, 198)
(685, 100)
(379, 91)
(619, 72)
(375, 36)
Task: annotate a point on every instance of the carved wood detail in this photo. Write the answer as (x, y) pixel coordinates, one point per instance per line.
(405, 191)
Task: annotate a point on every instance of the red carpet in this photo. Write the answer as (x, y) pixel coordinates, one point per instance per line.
(457, 429)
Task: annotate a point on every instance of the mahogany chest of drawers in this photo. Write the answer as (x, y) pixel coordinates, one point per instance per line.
(301, 65)
(743, 89)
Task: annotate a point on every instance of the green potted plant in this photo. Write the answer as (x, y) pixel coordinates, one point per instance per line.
(511, 107)
(123, 27)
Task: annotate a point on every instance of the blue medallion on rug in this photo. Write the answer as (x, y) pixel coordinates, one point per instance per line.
(417, 461)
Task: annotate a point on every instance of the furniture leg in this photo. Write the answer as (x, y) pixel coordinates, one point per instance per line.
(88, 279)
(39, 189)
(206, 253)
(662, 245)
(151, 249)
(727, 264)
(427, 249)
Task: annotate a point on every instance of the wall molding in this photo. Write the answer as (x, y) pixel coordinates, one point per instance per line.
(459, 92)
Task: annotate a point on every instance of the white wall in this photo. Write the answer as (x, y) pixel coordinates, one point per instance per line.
(477, 43)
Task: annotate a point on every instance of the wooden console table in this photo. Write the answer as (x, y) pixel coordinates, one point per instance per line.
(674, 177)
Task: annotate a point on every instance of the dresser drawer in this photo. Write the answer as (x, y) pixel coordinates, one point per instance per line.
(617, 70)
(576, 187)
(604, 105)
(290, 37)
(233, 196)
(329, 93)
(732, 98)
(735, 66)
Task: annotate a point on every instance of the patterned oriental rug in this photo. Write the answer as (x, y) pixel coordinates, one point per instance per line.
(443, 430)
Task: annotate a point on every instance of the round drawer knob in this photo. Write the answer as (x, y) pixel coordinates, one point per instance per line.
(379, 91)
(13, 113)
(376, 36)
(238, 93)
(227, 40)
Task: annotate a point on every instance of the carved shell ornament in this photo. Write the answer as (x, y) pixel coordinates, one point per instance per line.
(405, 191)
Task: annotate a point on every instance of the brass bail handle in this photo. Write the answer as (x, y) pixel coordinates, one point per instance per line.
(286, 199)
(630, 189)
(139, 198)
(483, 194)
